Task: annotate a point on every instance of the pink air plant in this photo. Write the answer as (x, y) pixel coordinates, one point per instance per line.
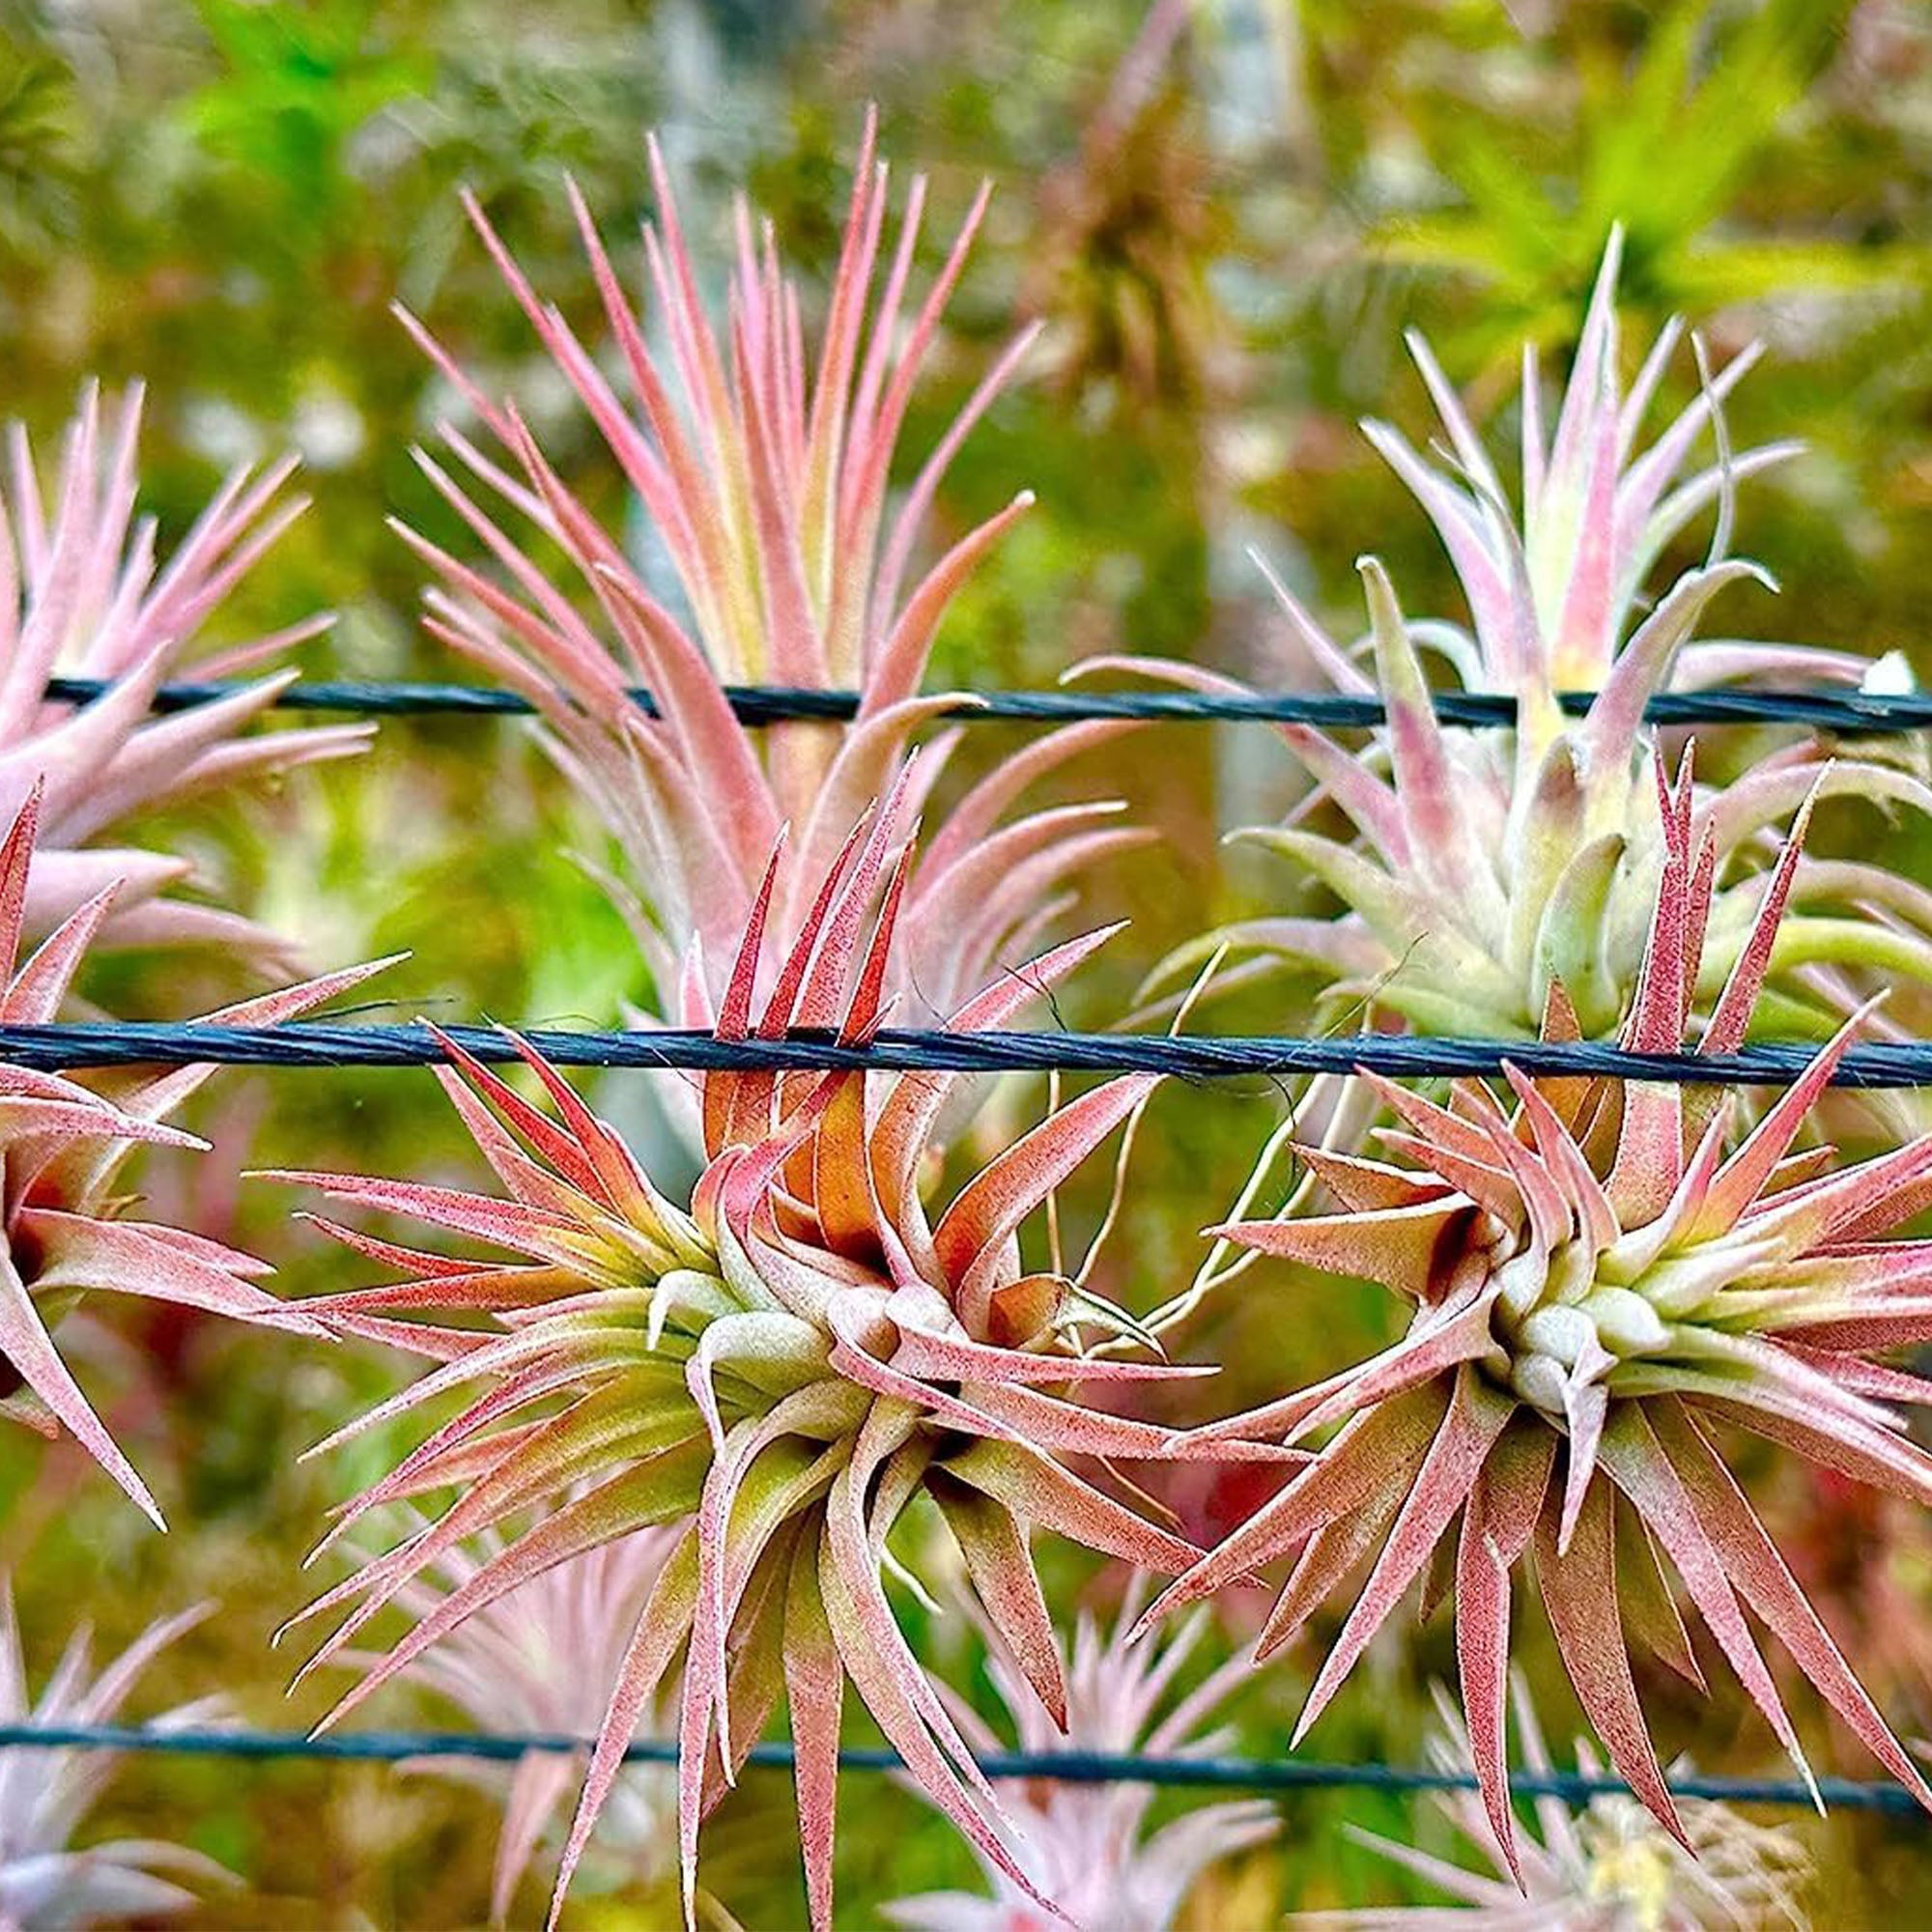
(781, 1372)
(1085, 1846)
(765, 479)
(1556, 586)
(47, 1884)
(83, 595)
(1608, 1869)
(1481, 865)
(65, 1141)
(539, 1662)
(1604, 1285)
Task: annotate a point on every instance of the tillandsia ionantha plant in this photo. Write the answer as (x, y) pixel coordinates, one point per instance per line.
(1605, 1869)
(64, 1140)
(1087, 1846)
(82, 595)
(539, 1662)
(47, 1882)
(766, 483)
(781, 1371)
(1485, 864)
(1603, 1283)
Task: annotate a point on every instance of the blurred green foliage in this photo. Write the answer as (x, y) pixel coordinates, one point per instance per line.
(224, 197)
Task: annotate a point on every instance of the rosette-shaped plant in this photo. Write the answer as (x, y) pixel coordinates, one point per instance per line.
(1485, 864)
(83, 595)
(1085, 1846)
(538, 1663)
(781, 1371)
(65, 1141)
(47, 1882)
(1608, 1869)
(765, 482)
(1602, 1285)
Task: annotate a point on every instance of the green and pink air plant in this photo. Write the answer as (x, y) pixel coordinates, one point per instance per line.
(64, 1142)
(1607, 1868)
(47, 1882)
(780, 1371)
(1604, 1284)
(1087, 1846)
(1487, 867)
(1481, 865)
(765, 480)
(82, 595)
(539, 1662)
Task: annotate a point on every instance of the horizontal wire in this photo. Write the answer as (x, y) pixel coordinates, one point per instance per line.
(67, 1045)
(1848, 711)
(1072, 1767)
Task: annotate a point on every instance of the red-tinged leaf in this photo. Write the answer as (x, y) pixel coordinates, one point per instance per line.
(1743, 1179)
(1327, 1558)
(16, 854)
(1001, 1566)
(26, 1344)
(1449, 1472)
(660, 1629)
(1760, 1573)
(1650, 1611)
(629, 1501)
(37, 991)
(814, 1692)
(990, 1207)
(954, 1358)
(1501, 1518)
(128, 1258)
(1579, 1591)
(1041, 1493)
(1399, 1247)
(1367, 1186)
(1376, 1455)
(1640, 1469)
(505, 1224)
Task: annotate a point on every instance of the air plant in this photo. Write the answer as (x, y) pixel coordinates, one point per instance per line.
(539, 1662)
(83, 595)
(48, 1884)
(66, 1140)
(766, 485)
(1487, 864)
(1602, 1285)
(1086, 1845)
(1608, 1869)
(780, 1371)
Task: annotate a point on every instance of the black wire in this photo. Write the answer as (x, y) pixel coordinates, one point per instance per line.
(68, 1045)
(1846, 711)
(1071, 1767)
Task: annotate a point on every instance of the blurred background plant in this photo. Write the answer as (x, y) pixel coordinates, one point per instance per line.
(1226, 214)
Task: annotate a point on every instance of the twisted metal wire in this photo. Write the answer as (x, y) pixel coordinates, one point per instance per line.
(69, 1045)
(1825, 709)
(1070, 1766)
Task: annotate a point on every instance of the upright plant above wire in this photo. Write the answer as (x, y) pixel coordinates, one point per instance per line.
(780, 1371)
(767, 479)
(83, 594)
(1480, 866)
